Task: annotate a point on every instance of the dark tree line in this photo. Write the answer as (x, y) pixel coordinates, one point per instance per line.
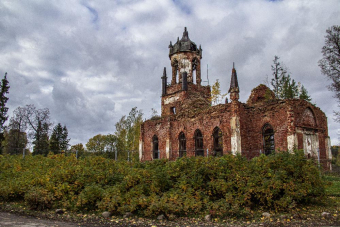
(28, 122)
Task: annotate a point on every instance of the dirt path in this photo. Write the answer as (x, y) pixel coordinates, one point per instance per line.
(9, 219)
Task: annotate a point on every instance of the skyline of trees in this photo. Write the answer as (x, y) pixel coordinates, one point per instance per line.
(29, 125)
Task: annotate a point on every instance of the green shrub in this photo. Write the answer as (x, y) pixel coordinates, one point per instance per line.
(89, 197)
(38, 198)
(227, 185)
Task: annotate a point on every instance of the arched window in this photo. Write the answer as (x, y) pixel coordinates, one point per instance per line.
(268, 139)
(218, 142)
(155, 150)
(198, 143)
(182, 145)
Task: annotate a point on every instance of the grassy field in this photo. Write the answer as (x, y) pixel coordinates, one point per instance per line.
(333, 189)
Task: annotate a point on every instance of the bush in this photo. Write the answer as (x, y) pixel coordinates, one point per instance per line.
(89, 197)
(38, 198)
(227, 185)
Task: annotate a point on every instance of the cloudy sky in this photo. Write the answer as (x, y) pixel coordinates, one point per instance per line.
(90, 62)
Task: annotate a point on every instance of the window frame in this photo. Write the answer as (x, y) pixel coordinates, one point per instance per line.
(155, 148)
(268, 137)
(199, 145)
(182, 145)
(217, 142)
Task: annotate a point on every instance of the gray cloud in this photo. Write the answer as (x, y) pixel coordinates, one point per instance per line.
(90, 62)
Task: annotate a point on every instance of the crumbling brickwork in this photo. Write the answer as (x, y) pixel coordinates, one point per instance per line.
(261, 125)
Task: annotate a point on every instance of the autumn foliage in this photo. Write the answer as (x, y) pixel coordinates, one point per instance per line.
(228, 185)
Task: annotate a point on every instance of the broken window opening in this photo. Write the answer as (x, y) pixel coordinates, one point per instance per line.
(155, 147)
(194, 70)
(218, 142)
(268, 139)
(173, 110)
(182, 145)
(194, 76)
(199, 151)
(175, 73)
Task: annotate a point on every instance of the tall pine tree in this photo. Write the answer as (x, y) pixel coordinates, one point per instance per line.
(3, 109)
(41, 143)
(59, 139)
(283, 86)
(278, 72)
(304, 94)
(289, 89)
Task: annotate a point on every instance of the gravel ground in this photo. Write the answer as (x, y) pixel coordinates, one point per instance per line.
(16, 220)
(13, 214)
(10, 219)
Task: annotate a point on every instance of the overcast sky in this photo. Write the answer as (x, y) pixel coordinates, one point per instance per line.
(91, 62)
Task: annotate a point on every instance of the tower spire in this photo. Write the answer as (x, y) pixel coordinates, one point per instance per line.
(164, 82)
(234, 90)
(185, 36)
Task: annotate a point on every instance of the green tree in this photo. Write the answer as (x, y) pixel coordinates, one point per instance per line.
(104, 145)
(304, 94)
(216, 96)
(3, 109)
(41, 143)
(279, 72)
(38, 121)
(215, 92)
(330, 62)
(284, 86)
(78, 149)
(128, 132)
(59, 139)
(110, 146)
(15, 142)
(289, 88)
(15, 135)
(96, 144)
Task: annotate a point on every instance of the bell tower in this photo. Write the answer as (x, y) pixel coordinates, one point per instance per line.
(185, 57)
(185, 60)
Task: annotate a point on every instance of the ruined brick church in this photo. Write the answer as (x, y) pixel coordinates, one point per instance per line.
(190, 126)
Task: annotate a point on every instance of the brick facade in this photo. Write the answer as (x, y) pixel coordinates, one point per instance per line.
(261, 125)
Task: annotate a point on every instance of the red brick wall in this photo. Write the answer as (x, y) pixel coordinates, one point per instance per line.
(205, 122)
(285, 116)
(252, 121)
(180, 98)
